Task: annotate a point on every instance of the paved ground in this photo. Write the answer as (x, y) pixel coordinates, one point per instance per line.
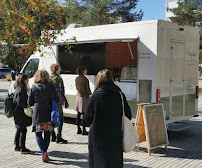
(185, 149)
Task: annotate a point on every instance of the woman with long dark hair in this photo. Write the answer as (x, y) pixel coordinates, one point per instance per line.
(21, 120)
(104, 113)
(82, 97)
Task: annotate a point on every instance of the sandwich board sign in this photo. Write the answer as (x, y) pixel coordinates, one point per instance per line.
(153, 123)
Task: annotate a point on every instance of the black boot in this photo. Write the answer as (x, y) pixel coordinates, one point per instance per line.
(84, 127)
(84, 132)
(79, 131)
(59, 139)
(24, 150)
(53, 136)
(17, 140)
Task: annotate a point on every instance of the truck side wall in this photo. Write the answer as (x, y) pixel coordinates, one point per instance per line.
(187, 41)
(147, 52)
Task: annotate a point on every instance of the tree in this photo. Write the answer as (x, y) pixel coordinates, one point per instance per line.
(189, 12)
(90, 12)
(22, 21)
(11, 56)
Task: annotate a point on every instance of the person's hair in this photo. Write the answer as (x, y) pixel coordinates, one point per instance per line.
(80, 70)
(103, 76)
(20, 81)
(41, 76)
(54, 68)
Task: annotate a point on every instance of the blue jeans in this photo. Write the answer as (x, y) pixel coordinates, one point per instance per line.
(43, 143)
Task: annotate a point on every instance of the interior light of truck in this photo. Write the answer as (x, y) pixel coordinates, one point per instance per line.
(197, 92)
(158, 95)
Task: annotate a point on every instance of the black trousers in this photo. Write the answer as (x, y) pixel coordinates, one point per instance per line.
(20, 137)
(78, 120)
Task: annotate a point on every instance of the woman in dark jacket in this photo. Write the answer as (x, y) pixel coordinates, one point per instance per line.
(82, 97)
(59, 85)
(41, 98)
(104, 113)
(21, 120)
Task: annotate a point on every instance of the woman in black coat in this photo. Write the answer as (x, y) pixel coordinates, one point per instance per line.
(21, 120)
(104, 113)
(40, 97)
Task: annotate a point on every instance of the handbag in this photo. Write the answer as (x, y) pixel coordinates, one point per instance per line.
(55, 113)
(60, 96)
(28, 111)
(130, 135)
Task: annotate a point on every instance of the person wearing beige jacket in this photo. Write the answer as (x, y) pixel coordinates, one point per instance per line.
(82, 98)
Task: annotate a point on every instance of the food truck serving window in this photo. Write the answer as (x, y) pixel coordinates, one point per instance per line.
(100, 54)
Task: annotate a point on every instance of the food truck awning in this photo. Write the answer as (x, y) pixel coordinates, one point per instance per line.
(98, 41)
(87, 41)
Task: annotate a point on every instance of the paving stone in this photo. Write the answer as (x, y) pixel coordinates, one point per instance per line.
(184, 150)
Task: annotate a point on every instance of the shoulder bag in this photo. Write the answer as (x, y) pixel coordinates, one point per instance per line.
(130, 135)
(28, 111)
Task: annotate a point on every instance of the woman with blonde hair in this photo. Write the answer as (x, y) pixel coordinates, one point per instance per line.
(40, 97)
(59, 85)
(82, 97)
(104, 113)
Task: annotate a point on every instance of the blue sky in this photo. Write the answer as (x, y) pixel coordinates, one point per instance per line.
(153, 9)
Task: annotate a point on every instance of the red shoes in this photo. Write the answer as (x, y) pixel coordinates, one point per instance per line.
(45, 157)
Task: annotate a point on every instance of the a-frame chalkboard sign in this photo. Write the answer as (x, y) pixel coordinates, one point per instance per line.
(150, 124)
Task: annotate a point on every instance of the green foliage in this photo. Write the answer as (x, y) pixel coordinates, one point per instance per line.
(189, 12)
(10, 56)
(22, 21)
(90, 12)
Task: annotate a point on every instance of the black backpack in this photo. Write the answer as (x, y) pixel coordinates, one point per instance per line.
(9, 106)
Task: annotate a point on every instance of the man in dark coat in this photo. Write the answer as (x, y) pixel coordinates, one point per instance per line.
(104, 113)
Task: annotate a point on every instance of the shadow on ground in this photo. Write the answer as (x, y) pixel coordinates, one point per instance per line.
(69, 120)
(77, 143)
(57, 158)
(1, 108)
(185, 144)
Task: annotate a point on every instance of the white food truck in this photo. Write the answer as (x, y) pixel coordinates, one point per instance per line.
(151, 61)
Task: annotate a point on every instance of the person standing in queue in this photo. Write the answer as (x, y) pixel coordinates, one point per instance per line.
(82, 98)
(41, 95)
(104, 113)
(20, 118)
(59, 85)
